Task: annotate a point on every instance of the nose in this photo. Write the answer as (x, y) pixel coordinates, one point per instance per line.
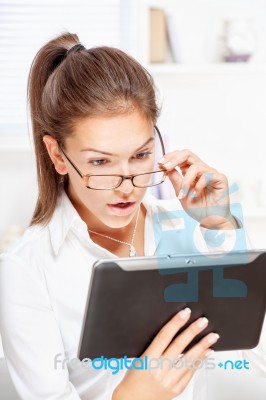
(126, 186)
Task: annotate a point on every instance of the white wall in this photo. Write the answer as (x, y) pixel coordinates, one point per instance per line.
(222, 118)
(18, 188)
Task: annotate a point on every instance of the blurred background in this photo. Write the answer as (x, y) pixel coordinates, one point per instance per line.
(208, 60)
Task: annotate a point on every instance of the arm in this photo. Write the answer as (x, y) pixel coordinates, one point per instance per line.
(30, 334)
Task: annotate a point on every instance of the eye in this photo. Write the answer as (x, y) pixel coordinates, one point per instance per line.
(96, 163)
(143, 155)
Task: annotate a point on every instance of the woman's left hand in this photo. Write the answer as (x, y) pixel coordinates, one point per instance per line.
(201, 189)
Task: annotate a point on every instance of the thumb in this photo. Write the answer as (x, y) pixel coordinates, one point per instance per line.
(176, 179)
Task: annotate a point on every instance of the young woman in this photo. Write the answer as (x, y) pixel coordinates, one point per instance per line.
(94, 119)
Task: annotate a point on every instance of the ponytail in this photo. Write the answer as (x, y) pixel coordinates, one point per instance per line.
(50, 183)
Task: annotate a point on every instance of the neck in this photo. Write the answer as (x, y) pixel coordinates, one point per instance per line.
(116, 245)
(93, 223)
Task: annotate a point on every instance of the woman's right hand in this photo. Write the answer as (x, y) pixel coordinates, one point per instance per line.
(167, 382)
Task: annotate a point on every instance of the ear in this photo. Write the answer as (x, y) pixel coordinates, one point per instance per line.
(55, 154)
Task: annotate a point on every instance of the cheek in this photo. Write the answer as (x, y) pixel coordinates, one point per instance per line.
(92, 199)
(146, 166)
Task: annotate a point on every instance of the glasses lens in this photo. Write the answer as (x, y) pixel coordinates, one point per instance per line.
(150, 179)
(103, 181)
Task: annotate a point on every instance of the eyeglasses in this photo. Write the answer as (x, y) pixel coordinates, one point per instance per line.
(108, 182)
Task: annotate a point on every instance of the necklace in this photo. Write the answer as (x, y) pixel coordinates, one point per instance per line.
(132, 250)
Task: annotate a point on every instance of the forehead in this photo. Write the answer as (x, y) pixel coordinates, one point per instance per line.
(120, 132)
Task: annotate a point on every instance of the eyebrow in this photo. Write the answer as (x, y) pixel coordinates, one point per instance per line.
(110, 154)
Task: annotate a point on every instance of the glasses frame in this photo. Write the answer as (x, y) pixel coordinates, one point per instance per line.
(86, 177)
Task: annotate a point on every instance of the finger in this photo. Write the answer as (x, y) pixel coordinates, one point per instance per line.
(217, 180)
(185, 166)
(177, 158)
(202, 346)
(183, 379)
(193, 175)
(176, 179)
(182, 341)
(167, 332)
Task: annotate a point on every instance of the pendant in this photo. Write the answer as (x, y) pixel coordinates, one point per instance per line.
(132, 252)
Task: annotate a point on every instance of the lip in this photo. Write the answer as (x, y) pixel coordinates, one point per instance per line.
(122, 211)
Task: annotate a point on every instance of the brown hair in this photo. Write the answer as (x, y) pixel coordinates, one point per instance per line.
(65, 86)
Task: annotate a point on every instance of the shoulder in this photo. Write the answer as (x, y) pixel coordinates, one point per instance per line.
(22, 277)
(27, 250)
(30, 237)
(40, 244)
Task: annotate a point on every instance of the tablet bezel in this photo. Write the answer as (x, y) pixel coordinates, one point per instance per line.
(199, 262)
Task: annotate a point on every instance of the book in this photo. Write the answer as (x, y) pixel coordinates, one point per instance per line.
(158, 35)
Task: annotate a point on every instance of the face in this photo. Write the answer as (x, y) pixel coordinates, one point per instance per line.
(122, 145)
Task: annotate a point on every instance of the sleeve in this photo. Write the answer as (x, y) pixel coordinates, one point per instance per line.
(238, 240)
(225, 241)
(30, 334)
(257, 356)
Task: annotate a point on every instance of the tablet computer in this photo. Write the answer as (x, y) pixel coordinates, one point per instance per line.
(130, 299)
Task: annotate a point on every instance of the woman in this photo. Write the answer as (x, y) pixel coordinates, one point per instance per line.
(93, 117)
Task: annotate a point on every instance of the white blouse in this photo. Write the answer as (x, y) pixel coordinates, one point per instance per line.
(44, 280)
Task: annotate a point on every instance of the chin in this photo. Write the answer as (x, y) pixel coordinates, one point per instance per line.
(117, 222)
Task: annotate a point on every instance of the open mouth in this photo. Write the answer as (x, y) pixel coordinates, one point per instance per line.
(122, 208)
(123, 205)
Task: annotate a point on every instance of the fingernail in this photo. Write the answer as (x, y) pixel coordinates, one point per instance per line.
(213, 338)
(181, 194)
(208, 352)
(183, 314)
(193, 194)
(202, 322)
(162, 160)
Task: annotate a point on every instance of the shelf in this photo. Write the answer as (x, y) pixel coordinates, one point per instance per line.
(207, 69)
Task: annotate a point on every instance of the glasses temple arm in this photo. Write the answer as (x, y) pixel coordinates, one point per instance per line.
(68, 159)
(160, 138)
